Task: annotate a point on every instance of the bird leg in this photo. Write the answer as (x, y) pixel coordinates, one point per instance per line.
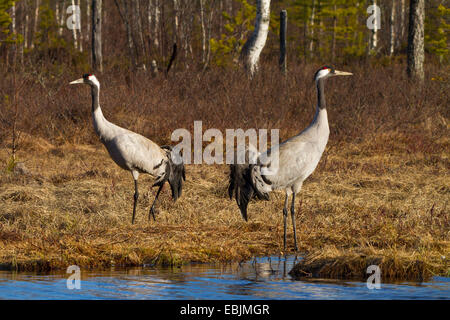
(285, 212)
(293, 220)
(136, 196)
(152, 208)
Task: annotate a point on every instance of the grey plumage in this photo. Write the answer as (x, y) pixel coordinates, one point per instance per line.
(134, 152)
(297, 159)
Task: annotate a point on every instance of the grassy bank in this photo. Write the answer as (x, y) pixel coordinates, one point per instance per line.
(74, 207)
(380, 192)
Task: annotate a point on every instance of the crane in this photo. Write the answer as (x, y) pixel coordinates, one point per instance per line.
(297, 159)
(134, 152)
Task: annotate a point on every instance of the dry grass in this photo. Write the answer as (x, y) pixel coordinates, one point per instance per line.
(380, 192)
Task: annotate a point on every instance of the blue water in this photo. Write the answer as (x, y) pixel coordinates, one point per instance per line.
(263, 278)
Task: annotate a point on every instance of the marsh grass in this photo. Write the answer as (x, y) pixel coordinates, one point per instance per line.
(379, 194)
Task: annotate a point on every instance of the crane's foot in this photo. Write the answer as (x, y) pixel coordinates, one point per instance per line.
(152, 214)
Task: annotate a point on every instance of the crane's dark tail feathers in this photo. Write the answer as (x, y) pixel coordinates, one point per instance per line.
(242, 187)
(175, 174)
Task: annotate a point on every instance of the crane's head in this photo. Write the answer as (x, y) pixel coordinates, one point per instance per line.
(89, 79)
(328, 71)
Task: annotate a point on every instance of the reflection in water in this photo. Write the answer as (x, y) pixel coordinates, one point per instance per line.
(261, 278)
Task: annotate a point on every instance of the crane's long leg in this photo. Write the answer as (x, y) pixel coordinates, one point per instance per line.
(293, 220)
(136, 196)
(285, 212)
(152, 208)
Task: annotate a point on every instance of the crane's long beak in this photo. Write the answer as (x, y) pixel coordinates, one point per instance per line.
(81, 80)
(342, 73)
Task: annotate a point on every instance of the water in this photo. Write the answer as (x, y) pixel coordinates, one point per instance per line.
(263, 278)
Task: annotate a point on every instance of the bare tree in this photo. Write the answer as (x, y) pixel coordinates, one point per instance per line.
(137, 35)
(208, 43)
(97, 57)
(88, 19)
(416, 51)
(283, 31)
(80, 30)
(35, 22)
(153, 21)
(313, 16)
(125, 14)
(202, 24)
(392, 26)
(373, 44)
(60, 17)
(175, 20)
(25, 32)
(402, 18)
(252, 48)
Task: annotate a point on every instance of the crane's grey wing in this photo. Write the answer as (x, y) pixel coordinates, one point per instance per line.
(292, 160)
(135, 152)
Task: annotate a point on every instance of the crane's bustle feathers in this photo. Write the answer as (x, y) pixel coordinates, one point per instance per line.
(175, 174)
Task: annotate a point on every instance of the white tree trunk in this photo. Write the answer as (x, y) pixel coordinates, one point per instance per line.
(392, 22)
(374, 37)
(313, 13)
(35, 22)
(202, 24)
(88, 19)
(97, 57)
(255, 44)
(156, 24)
(25, 33)
(61, 18)
(13, 18)
(416, 50)
(80, 46)
(74, 30)
(402, 18)
(175, 20)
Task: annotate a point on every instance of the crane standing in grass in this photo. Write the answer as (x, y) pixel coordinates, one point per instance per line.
(297, 159)
(135, 153)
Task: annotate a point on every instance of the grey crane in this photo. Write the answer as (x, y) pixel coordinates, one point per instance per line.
(297, 158)
(135, 153)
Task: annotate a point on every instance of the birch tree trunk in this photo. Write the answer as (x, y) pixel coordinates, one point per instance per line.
(130, 42)
(137, 33)
(60, 18)
(252, 48)
(25, 33)
(13, 32)
(80, 46)
(311, 42)
(208, 42)
(202, 24)
(97, 57)
(374, 36)
(402, 18)
(392, 35)
(156, 20)
(74, 30)
(175, 20)
(88, 20)
(283, 32)
(416, 51)
(35, 22)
